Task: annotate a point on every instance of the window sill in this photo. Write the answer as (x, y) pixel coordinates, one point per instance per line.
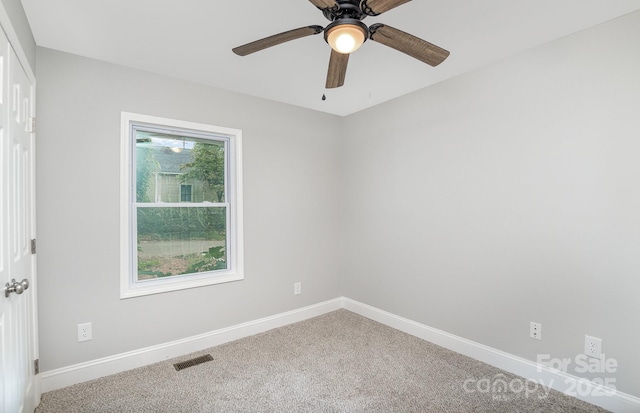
(141, 289)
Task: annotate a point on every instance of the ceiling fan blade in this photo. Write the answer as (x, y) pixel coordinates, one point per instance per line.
(375, 7)
(323, 4)
(337, 69)
(408, 44)
(276, 39)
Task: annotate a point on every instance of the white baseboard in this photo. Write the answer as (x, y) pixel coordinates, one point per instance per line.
(609, 399)
(78, 373)
(588, 391)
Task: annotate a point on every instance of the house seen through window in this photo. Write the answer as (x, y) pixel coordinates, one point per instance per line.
(183, 209)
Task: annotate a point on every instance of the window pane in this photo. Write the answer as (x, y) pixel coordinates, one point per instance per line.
(176, 241)
(164, 163)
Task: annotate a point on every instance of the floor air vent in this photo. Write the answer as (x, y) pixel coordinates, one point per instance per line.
(193, 362)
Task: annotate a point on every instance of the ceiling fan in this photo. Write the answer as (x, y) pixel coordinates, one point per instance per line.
(346, 33)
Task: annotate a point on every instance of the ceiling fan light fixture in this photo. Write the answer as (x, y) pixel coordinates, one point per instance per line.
(346, 38)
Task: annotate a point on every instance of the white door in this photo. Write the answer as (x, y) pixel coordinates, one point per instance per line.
(19, 391)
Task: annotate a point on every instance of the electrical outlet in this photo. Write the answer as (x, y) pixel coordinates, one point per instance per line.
(84, 332)
(593, 346)
(535, 330)
(297, 288)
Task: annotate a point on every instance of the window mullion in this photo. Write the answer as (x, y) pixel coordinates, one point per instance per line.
(181, 205)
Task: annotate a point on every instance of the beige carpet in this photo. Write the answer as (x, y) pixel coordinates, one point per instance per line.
(338, 362)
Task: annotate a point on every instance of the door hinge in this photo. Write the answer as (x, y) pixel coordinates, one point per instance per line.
(33, 246)
(36, 366)
(31, 125)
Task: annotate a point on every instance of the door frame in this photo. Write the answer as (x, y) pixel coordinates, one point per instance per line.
(14, 40)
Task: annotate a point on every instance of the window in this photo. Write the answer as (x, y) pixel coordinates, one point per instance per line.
(181, 212)
(185, 192)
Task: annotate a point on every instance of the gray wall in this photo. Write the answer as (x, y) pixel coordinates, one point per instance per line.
(507, 195)
(291, 218)
(18, 18)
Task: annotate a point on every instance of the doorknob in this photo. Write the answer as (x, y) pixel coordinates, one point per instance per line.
(16, 287)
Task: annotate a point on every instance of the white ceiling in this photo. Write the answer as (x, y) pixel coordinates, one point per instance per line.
(192, 40)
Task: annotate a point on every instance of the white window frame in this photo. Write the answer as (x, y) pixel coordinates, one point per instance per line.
(129, 284)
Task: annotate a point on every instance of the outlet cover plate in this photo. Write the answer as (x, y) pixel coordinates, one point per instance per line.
(85, 332)
(535, 330)
(593, 346)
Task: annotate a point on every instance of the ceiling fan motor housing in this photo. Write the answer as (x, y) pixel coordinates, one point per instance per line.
(349, 9)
